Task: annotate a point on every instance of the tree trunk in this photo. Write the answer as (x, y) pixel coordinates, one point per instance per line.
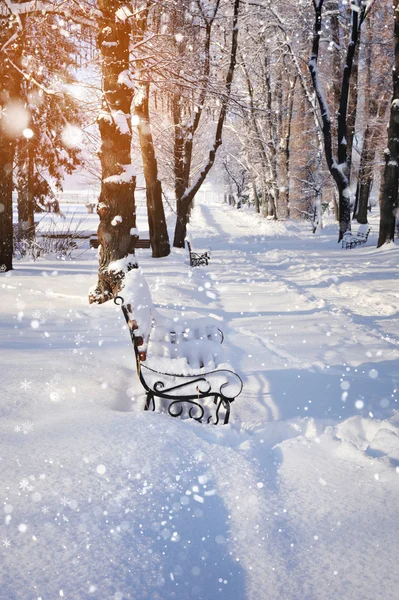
(116, 206)
(352, 110)
(7, 149)
(389, 187)
(340, 168)
(255, 192)
(181, 172)
(22, 190)
(30, 209)
(366, 167)
(9, 94)
(273, 127)
(284, 153)
(336, 58)
(156, 215)
(366, 177)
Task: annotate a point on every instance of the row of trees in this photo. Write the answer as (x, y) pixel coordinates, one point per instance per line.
(185, 73)
(315, 87)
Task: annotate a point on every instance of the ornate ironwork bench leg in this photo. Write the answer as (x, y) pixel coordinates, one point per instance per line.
(150, 399)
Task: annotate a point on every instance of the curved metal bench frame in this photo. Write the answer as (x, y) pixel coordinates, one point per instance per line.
(165, 388)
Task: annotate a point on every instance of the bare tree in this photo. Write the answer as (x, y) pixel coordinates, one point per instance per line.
(389, 187)
(156, 215)
(339, 167)
(186, 198)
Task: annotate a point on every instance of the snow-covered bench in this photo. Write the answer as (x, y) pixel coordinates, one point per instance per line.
(179, 364)
(351, 241)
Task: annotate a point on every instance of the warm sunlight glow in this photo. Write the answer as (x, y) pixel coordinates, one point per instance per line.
(27, 133)
(16, 118)
(71, 136)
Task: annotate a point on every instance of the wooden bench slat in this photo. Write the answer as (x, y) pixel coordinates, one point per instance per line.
(352, 240)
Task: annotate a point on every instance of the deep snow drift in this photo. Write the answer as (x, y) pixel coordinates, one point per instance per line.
(296, 499)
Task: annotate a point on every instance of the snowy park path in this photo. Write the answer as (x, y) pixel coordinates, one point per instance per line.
(296, 499)
(297, 307)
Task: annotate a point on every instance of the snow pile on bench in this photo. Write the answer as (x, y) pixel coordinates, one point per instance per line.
(188, 347)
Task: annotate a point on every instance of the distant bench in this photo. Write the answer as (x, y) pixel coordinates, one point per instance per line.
(351, 241)
(140, 243)
(198, 259)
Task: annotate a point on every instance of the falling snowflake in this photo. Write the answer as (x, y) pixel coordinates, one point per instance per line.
(38, 316)
(79, 339)
(65, 501)
(53, 387)
(27, 427)
(50, 310)
(25, 485)
(44, 509)
(25, 385)
(53, 384)
(6, 542)
(3, 268)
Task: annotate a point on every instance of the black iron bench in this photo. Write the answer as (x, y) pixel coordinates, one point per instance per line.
(351, 241)
(140, 243)
(197, 259)
(202, 395)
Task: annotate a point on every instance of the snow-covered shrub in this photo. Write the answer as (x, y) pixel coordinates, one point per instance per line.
(49, 241)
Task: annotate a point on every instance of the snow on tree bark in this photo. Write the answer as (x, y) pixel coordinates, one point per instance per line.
(339, 168)
(118, 176)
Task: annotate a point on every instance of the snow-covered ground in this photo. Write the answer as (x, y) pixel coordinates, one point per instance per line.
(296, 499)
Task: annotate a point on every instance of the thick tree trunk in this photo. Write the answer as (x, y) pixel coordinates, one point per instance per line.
(26, 204)
(366, 177)
(340, 168)
(156, 215)
(389, 187)
(116, 206)
(7, 149)
(155, 210)
(366, 167)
